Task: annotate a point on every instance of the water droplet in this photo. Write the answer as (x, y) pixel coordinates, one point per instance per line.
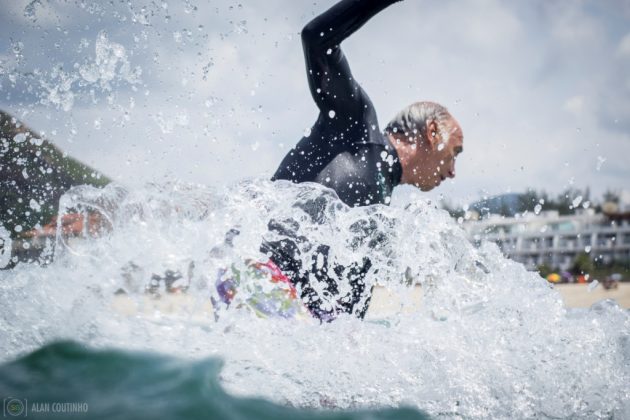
(592, 285)
(537, 209)
(34, 205)
(587, 249)
(332, 113)
(19, 138)
(30, 12)
(205, 69)
(320, 261)
(600, 162)
(307, 132)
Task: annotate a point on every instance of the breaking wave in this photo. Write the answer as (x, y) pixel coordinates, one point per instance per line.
(490, 339)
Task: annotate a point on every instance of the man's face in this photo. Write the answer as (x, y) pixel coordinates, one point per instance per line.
(441, 147)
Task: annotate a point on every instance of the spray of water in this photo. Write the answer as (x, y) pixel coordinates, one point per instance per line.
(491, 339)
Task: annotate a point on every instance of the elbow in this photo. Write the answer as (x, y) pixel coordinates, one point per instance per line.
(308, 33)
(311, 36)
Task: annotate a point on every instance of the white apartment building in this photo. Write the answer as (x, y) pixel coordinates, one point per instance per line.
(548, 238)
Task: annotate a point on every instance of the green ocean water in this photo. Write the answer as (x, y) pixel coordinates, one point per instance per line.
(66, 380)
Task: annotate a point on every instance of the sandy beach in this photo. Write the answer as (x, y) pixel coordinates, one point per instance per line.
(579, 296)
(384, 302)
(574, 295)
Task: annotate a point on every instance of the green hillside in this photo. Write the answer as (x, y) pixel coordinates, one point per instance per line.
(33, 175)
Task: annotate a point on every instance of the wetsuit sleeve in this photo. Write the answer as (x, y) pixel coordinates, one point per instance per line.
(331, 83)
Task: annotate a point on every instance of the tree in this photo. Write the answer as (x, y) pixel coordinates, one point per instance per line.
(544, 270)
(611, 196)
(528, 200)
(582, 264)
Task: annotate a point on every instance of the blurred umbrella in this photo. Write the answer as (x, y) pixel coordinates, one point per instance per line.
(553, 277)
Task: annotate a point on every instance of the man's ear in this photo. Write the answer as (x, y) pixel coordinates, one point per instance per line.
(433, 134)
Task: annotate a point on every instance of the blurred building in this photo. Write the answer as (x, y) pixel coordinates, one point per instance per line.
(555, 240)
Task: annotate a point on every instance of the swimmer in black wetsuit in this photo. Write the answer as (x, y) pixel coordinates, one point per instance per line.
(346, 151)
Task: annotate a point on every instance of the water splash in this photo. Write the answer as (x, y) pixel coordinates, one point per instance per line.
(110, 64)
(491, 339)
(30, 11)
(108, 68)
(5, 247)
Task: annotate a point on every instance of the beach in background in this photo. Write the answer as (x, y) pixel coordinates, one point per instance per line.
(574, 296)
(384, 301)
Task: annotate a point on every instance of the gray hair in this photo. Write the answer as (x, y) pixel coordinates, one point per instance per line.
(413, 119)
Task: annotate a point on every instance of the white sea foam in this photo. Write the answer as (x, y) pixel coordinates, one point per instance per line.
(491, 340)
(5, 247)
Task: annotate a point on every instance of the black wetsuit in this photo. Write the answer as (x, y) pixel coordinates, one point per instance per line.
(345, 151)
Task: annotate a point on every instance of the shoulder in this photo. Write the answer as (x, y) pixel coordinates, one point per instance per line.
(356, 111)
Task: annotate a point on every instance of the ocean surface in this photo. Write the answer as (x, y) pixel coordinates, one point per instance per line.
(490, 341)
(67, 380)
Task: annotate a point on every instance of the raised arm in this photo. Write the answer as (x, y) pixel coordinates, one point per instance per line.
(331, 83)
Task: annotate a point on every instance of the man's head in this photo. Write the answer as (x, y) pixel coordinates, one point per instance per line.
(427, 139)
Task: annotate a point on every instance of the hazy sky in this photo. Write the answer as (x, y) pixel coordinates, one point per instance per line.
(213, 91)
